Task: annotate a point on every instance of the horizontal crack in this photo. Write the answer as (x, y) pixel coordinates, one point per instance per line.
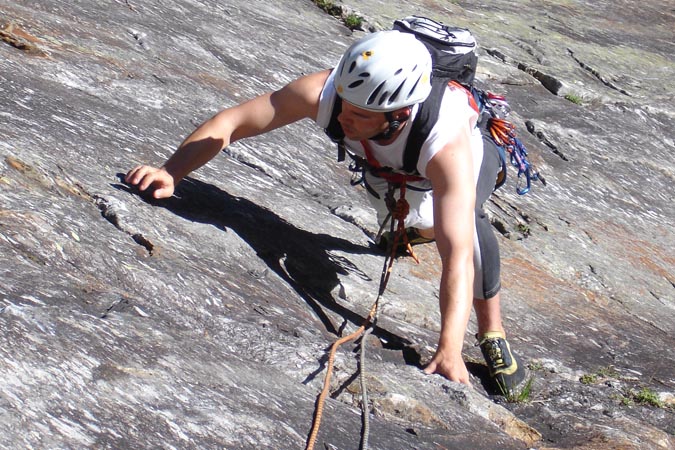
(107, 211)
(13, 35)
(551, 83)
(142, 240)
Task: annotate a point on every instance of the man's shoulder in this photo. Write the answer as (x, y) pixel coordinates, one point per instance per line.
(302, 94)
(311, 85)
(457, 105)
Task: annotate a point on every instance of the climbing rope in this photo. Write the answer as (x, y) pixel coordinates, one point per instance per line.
(329, 372)
(398, 210)
(365, 415)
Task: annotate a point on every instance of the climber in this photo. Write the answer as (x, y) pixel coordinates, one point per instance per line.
(381, 79)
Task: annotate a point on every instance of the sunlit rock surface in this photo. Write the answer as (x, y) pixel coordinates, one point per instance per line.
(203, 321)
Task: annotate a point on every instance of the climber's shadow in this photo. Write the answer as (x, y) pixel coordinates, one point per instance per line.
(301, 258)
(482, 373)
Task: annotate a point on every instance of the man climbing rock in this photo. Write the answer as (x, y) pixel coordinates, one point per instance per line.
(379, 84)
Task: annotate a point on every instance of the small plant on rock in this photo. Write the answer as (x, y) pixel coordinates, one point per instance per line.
(330, 7)
(535, 366)
(646, 396)
(353, 21)
(521, 395)
(576, 99)
(589, 378)
(602, 373)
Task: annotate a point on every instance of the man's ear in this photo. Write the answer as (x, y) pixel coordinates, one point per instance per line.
(402, 114)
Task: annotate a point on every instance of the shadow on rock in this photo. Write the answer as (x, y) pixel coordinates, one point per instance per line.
(301, 258)
(482, 372)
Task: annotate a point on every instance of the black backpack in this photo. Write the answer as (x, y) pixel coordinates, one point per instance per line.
(454, 59)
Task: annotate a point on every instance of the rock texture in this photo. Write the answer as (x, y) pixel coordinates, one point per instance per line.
(203, 321)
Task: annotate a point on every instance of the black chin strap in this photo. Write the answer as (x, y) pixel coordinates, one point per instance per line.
(389, 132)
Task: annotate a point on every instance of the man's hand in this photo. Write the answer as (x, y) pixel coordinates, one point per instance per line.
(450, 366)
(159, 180)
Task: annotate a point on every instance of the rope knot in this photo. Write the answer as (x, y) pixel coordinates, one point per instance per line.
(401, 210)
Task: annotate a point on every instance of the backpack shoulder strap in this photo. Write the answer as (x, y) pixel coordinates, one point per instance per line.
(334, 129)
(426, 117)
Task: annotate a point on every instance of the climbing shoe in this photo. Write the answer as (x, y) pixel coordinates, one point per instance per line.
(414, 238)
(504, 367)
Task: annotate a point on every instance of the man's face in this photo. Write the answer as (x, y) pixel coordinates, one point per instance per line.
(359, 124)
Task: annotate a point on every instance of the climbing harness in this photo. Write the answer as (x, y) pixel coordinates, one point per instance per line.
(398, 210)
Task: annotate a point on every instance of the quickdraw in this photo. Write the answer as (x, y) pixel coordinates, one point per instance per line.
(503, 133)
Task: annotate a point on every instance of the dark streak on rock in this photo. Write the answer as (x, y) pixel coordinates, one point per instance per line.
(143, 241)
(107, 212)
(540, 135)
(551, 83)
(120, 305)
(596, 74)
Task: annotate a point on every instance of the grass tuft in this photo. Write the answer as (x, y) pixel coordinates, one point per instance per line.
(645, 396)
(351, 21)
(577, 100)
(522, 395)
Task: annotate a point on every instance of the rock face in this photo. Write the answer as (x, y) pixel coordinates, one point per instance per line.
(203, 321)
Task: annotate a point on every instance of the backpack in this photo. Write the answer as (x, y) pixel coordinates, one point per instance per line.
(454, 60)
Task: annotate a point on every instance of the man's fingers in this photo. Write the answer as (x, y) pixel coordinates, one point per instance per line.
(136, 174)
(164, 192)
(147, 180)
(130, 175)
(145, 177)
(461, 377)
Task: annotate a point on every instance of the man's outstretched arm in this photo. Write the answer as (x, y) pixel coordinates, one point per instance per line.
(295, 101)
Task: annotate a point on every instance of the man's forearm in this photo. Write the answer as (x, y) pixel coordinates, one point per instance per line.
(456, 292)
(191, 156)
(197, 149)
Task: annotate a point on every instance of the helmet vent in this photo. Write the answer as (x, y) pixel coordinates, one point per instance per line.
(356, 83)
(351, 67)
(385, 95)
(412, 89)
(394, 96)
(342, 69)
(373, 96)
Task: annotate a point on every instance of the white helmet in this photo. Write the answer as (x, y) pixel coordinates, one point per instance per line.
(384, 71)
